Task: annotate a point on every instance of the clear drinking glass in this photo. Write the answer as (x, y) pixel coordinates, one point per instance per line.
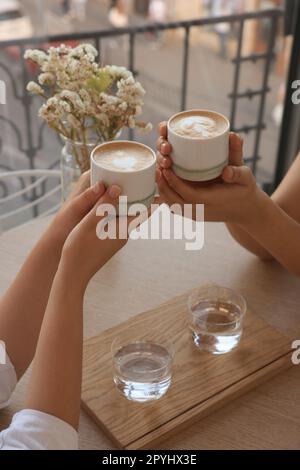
(216, 316)
(142, 364)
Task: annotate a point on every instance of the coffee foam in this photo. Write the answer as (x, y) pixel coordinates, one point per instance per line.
(123, 157)
(201, 125)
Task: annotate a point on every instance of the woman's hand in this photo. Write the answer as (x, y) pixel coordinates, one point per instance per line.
(78, 204)
(84, 253)
(231, 198)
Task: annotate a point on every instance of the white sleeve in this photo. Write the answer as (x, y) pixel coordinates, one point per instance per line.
(8, 381)
(34, 430)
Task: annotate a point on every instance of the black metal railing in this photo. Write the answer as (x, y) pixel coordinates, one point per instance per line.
(30, 142)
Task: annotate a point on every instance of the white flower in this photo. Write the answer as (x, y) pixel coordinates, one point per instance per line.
(36, 56)
(73, 97)
(84, 50)
(66, 74)
(65, 106)
(33, 87)
(123, 106)
(46, 79)
(118, 72)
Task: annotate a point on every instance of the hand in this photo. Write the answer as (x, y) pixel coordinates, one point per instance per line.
(78, 204)
(231, 198)
(84, 253)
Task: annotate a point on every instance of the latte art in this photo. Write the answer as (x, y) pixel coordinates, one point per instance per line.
(126, 159)
(198, 126)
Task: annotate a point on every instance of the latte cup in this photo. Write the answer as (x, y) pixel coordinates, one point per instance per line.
(131, 166)
(200, 144)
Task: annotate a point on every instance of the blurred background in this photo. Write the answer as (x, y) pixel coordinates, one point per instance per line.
(183, 56)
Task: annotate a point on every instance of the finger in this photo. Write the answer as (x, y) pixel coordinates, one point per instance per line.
(159, 142)
(85, 201)
(158, 174)
(236, 144)
(106, 205)
(238, 175)
(163, 146)
(166, 148)
(111, 196)
(164, 162)
(82, 184)
(163, 129)
(167, 194)
(185, 190)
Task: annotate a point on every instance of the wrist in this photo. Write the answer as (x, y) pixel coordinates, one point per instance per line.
(73, 274)
(57, 231)
(260, 207)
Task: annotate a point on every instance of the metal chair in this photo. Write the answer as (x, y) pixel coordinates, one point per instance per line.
(28, 194)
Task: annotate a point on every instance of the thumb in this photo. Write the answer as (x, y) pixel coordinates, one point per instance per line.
(237, 175)
(236, 144)
(86, 200)
(109, 199)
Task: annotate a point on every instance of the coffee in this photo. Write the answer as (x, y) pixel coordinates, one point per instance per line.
(199, 125)
(200, 141)
(123, 157)
(131, 166)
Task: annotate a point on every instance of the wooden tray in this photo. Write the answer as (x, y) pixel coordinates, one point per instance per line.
(201, 382)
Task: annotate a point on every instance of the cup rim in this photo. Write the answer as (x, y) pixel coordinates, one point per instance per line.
(199, 111)
(168, 345)
(229, 290)
(130, 142)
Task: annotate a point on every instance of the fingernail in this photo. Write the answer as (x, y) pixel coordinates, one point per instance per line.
(229, 173)
(114, 191)
(97, 188)
(164, 147)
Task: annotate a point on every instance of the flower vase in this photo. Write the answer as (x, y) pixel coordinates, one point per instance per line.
(75, 160)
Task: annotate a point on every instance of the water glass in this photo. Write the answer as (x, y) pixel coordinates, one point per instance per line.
(216, 316)
(142, 364)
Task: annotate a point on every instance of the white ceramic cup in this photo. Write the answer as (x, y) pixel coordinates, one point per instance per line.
(199, 158)
(137, 185)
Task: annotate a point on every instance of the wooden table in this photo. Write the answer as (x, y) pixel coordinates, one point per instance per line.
(147, 273)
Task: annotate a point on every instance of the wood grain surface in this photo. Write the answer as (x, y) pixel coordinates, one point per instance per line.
(201, 382)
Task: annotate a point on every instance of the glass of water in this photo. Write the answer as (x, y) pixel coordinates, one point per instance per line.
(142, 364)
(216, 316)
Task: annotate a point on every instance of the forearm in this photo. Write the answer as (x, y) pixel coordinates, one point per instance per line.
(23, 305)
(248, 242)
(55, 385)
(275, 231)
